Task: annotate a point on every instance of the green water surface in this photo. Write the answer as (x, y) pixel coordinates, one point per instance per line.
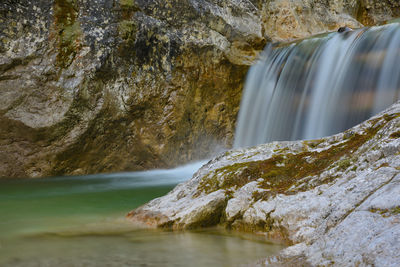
(80, 221)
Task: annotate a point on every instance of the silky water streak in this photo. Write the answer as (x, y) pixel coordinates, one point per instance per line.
(319, 86)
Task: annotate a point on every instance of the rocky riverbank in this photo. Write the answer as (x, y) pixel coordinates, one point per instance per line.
(90, 86)
(335, 201)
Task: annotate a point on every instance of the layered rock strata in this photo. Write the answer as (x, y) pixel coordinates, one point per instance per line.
(92, 86)
(335, 201)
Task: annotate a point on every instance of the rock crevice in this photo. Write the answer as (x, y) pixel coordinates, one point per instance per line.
(91, 86)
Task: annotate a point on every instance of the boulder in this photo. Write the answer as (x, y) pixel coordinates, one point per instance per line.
(334, 201)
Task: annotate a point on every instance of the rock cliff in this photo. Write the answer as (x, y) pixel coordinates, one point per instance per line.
(335, 201)
(92, 86)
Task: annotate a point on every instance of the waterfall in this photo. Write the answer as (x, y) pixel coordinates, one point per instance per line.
(319, 86)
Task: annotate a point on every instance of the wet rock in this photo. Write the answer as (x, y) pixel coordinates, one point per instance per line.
(98, 86)
(332, 200)
(345, 29)
(90, 86)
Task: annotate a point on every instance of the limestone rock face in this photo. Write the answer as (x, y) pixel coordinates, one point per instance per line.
(372, 12)
(92, 86)
(96, 86)
(291, 19)
(334, 200)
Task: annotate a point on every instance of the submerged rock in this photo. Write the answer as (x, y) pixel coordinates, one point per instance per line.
(335, 201)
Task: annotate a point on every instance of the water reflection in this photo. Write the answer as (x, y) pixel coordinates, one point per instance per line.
(80, 221)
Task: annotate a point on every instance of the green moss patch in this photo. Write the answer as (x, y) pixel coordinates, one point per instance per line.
(344, 164)
(126, 2)
(395, 135)
(127, 29)
(386, 212)
(284, 173)
(128, 8)
(314, 143)
(68, 31)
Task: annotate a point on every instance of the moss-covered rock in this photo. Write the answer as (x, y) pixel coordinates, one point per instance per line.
(312, 195)
(98, 86)
(101, 86)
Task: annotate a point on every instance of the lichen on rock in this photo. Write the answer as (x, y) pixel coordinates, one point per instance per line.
(90, 86)
(100, 86)
(305, 193)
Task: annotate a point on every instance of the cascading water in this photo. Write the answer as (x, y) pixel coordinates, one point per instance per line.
(320, 86)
